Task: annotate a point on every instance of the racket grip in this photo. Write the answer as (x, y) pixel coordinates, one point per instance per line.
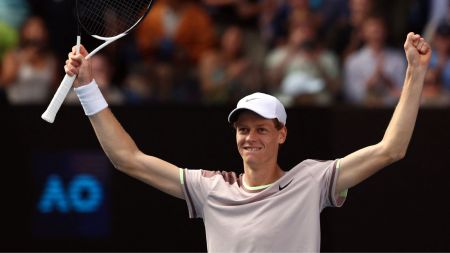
(61, 94)
(57, 100)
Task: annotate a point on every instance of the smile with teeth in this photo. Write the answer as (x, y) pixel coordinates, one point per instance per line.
(252, 149)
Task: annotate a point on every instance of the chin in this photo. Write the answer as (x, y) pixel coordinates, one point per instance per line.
(251, 161)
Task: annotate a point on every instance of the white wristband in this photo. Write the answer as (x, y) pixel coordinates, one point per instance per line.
(91, 98)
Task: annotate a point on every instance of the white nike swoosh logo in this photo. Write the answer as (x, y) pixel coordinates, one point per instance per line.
(250, 99)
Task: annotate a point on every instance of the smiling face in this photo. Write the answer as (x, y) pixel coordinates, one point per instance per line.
(258, 139)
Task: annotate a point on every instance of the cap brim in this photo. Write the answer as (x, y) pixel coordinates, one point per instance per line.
(233, 116)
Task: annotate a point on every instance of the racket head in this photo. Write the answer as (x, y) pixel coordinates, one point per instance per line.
(106, 19)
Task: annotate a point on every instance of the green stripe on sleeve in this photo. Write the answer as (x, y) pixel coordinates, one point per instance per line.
(343, 193)
(181, 176)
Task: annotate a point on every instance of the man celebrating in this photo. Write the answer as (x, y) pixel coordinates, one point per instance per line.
(249, 212)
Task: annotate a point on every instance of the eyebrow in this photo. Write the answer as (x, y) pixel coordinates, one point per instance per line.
(265, 124)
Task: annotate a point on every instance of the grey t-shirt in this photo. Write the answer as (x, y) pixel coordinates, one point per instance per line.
(284, 217)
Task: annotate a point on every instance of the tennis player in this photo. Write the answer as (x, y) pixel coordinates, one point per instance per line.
(266, 208)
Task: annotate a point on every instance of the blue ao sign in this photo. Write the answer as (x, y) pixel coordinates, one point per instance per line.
(72, 194)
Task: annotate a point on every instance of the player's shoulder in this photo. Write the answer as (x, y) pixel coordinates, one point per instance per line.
(312, 164)
(229, 177)
(309, 162)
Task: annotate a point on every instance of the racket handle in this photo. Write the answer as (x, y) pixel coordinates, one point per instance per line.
(61, 94)
(57, 100)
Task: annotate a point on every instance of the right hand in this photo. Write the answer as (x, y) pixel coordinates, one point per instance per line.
(77, 64)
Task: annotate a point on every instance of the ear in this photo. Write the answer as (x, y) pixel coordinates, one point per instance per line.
(282, 135)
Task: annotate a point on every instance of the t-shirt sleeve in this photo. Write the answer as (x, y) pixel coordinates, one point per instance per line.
(326, 173)
(196, 188)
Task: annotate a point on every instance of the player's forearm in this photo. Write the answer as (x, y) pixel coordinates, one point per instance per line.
(115, 141)
(365, 162)
(126, 157)
(401, 126)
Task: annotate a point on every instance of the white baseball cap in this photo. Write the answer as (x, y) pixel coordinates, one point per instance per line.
(264, 105)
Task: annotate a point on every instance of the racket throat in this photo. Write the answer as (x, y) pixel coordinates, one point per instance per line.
(107, 42)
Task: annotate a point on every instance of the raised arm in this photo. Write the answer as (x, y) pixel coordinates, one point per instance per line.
(363, 163)
(117, 143)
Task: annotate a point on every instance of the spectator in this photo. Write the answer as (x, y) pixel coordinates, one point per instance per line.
(300, 12)
(278, 16)
(374, 74)
(440, 58)
(12, 15)
(229, 12)
(227, 73)
(60, 19)
(345, 36)
(434, 94)
(273, 26)
(172, 39)
(243, 13)
(175, 31)
(302, 71)
(29, 71)
(439, 12)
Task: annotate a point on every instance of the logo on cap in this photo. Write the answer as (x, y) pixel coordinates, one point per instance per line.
(250, 99)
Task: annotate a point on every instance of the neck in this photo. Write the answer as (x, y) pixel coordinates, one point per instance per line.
(262, 175)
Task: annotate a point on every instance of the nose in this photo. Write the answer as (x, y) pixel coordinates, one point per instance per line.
(251, 136)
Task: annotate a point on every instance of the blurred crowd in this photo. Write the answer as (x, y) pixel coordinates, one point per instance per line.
(213, 52)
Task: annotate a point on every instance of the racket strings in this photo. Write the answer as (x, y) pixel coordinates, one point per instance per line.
(108, 18)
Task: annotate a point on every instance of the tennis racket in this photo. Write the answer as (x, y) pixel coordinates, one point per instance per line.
(106, 20)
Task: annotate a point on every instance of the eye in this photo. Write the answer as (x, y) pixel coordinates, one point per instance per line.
(242, 130)
(262, 130)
